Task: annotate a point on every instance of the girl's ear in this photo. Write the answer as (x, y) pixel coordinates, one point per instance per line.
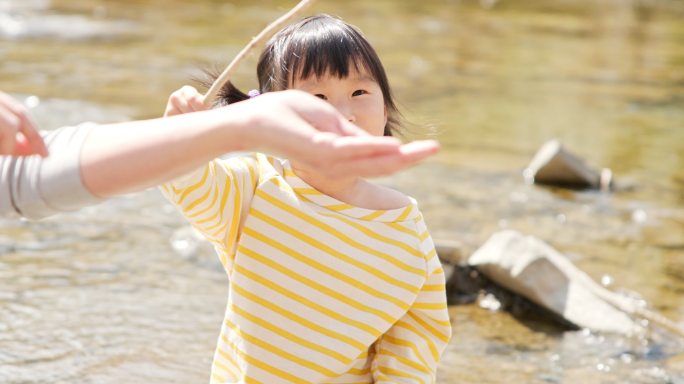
(385, 115)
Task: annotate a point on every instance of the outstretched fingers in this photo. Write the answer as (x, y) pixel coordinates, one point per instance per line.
(356, 146)
(381, 158)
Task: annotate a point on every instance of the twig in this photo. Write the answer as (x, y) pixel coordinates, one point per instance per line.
(211, 94)
(631, 308)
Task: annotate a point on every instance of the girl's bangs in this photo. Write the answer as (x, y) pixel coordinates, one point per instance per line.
(333, 50)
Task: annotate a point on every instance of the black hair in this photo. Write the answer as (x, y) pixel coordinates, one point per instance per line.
(316, 46)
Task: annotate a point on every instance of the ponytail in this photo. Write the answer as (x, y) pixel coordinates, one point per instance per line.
(228, 94)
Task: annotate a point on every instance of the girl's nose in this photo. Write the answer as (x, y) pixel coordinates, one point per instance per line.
(346, 111)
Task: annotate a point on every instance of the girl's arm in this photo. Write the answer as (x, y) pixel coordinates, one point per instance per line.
(411, 349)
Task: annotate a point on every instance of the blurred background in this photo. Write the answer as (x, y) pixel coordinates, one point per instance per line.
(124, 291)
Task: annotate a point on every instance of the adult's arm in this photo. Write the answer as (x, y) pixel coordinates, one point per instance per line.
(36, 187)
(90, 163)
(136, 155)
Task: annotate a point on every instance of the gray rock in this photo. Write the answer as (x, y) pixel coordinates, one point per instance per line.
(533, 269)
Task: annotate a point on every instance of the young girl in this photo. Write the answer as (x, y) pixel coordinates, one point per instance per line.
(332, 280)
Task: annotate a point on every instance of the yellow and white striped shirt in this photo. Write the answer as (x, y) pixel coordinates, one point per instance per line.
(320, 291)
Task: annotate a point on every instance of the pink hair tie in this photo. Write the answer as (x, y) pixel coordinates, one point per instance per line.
(253, 93)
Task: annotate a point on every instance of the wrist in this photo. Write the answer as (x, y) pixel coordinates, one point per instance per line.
(244, 125)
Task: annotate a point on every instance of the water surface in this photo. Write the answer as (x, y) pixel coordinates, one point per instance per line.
(123, 292)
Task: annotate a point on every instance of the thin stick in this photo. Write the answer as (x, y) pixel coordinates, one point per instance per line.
(211, 94)
(632, 309)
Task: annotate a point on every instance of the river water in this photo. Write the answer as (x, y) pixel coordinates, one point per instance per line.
(124, 292)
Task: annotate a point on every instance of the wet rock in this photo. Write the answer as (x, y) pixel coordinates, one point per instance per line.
(554, 165)
(467, 285)
(534, 270)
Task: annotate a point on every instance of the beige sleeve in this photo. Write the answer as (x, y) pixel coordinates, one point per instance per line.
(214, 200)
(35, 187)
(409, 352)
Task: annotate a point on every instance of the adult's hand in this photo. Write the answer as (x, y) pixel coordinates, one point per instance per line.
(132, 156)
(18, 134)
(308, 130)
(305, 129)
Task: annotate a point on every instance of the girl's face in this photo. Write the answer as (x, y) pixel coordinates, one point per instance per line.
(357, 97)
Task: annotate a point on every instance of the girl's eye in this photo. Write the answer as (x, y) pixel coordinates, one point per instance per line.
(359, 92)
(321, 96)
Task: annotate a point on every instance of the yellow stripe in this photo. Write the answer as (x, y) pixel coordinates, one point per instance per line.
(431, 254)
(250, 168)
(382, 238)
(403, 229)
(228, 357)
(362, 382)
(398, 373)
(280, 352)
(407, 344)
(331, 230)
(421, 335)
(405, 214)
(209, 168)
(175, 190)
(235, 220)
(190, 207)
(263, 158)
(434, 331)
(215, 377)
(315, 285)
(430, 306)
(223, 258)
(339, 207)
(306, 191)
(325, 248)
(224, 198)
(306, 302)
(296, 318)
(373, 215)
(194, 187)
(424, 236)
(221, 234)
(406, 361)
(433, 287)
(358, 371)
(251, 380)
(261, 365)
(443, 323)
(325, 269)
(219, 365)
(208, 207)
(290, 336)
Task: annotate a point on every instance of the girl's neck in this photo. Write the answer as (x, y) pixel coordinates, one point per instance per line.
(354, 191)
(343, 189)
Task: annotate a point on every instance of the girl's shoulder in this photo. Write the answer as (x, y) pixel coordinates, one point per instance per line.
(385, 198)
